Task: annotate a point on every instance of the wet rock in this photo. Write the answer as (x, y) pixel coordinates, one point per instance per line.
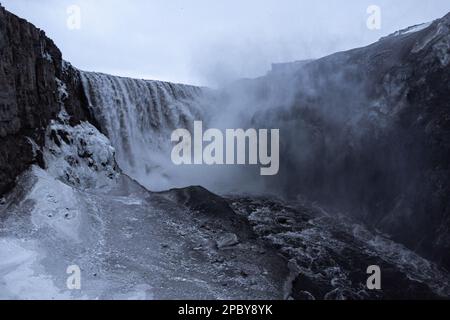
(31, 73)
(376, 123)
(227, 240)
(211, 211)
(218, 260)
(284, 221)
(244, 274)
(328, 256)
(305, 295)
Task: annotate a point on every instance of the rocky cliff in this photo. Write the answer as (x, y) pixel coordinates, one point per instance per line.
(383, 134)
(367, 132)
(364, 132)
(33, 83)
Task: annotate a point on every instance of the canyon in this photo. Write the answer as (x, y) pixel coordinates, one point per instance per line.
(86, 177)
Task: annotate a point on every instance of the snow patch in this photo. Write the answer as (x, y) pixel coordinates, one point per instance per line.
(47, 56)
(441, 30)
(412, 29)
(442, 50)
(62, 90)
(19, 278)
(55, 206)
(140, 292)
(81, 156)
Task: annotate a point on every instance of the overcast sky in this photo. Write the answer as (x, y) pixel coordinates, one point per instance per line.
(211, 41)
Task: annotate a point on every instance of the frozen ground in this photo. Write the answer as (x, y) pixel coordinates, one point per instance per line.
(128, 242)
(184, 243)
(188, 243)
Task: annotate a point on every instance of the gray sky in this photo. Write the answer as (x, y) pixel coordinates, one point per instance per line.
(212, 41)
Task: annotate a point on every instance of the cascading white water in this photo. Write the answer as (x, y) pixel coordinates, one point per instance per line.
(139, 116)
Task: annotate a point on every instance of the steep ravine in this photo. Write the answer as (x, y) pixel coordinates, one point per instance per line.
(73, 144)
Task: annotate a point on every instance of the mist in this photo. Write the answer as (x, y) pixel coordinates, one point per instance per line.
(324, 113)
(212, 42)
(108, 191)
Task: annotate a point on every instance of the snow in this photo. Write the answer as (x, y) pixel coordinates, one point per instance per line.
(18, 273)
(34, 146)
(80, 155)
(47, 56)
(132, 244)
(66, 66)
(62, 90)
(140, 292)
(57, 211)
(441, 30)
(128, 243)
(442, 50)
(413, 29)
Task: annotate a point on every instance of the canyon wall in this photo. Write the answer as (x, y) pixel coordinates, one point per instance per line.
(364, 132)
(34, 82)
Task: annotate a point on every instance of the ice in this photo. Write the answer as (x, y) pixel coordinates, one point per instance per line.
(129, 244)
(440, 34)
(413, 29)
(80, 155)
(59, 211)
(140, 292)
(62, 90)
(19, 277)
(47, 56)
(139, 116)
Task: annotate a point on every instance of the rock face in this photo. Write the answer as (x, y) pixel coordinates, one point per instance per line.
(28, 98)
(367, 131)
(328, 255)
(31, 76)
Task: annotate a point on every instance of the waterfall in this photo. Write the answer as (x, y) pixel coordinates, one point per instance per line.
(139, 116)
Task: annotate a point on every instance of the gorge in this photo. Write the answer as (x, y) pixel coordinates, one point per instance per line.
(86, 177)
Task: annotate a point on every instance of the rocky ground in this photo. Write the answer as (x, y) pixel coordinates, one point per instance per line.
(329, 254)
(374, 122)
(183, 243)
(128, 242)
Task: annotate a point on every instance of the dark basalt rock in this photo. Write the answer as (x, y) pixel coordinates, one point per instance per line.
(328, 257)
(30, 64)
(212, 211)
(367, 132)
(28, 92)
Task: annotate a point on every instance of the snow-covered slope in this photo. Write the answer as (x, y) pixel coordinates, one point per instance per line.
(128, 242)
